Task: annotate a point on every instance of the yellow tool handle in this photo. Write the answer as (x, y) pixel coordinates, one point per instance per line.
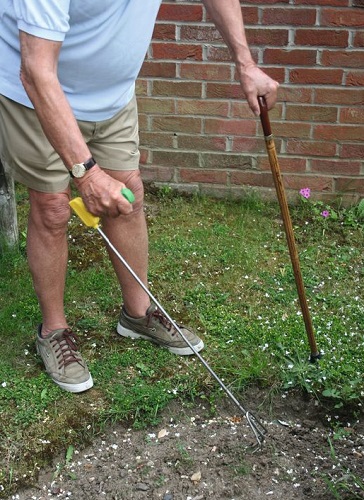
(87, 218)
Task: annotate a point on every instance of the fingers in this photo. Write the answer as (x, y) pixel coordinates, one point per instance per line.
(256, 83)
(102, 194)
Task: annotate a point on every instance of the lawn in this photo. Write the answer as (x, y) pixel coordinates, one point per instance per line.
(221, 266)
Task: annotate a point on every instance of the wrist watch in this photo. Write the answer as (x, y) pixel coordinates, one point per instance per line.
(78, 170)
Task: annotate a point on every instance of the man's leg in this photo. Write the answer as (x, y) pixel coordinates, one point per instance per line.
(138, 318)
(129, 235)
(47, 257)
(48, 254)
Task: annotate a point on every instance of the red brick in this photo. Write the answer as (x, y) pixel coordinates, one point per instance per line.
(141, 87)
(341, 96)
(292, 129)
(156, 140)
(297, 57)
(286, 165)
(155, 105)
(203, 71)
(267, 37)
(143, 122)
(315, 182)
(338, 133)
(289, 16)
(202, 175)
(274, 72)
(349, 184)
(359, 39)
(250, 15)
(320, 37)
(295, 94)
(247, 145)
(252, 179)
(352, 115)
(265, 1)
(355, 79)
(316, 76)
(311, 148)
(200, 33)
(158, 69)
(176, 158)
(330, 3)
(312, 113)
(224, 91)
(217, 53)
(228, 160)
(175, 88)
(233, 127)
(202, 107)
(182, 13)
(352, 151)
(176, 51)
(176, 124)
(346, 59)
(164, 32)
(342, 17)
(335, 167)
(201, 142)
(155, 173)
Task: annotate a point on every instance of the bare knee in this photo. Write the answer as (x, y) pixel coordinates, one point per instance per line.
(50, 211)
(135, 184)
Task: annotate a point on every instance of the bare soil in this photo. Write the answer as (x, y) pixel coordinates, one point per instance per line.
(194, 454)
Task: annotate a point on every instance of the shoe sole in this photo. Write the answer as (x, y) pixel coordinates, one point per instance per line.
(181, 351)
(75, 388)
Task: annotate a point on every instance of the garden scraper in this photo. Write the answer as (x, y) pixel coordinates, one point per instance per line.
(92, 221)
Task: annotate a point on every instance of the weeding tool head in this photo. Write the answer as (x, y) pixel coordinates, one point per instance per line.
(88, 219)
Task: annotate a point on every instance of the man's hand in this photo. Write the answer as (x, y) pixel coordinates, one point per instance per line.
(102, 194)
(255, 83)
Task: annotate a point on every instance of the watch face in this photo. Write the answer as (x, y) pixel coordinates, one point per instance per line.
(78, 170)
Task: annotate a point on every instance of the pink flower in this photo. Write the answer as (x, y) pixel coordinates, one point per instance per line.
(325, 213)
(305, 192)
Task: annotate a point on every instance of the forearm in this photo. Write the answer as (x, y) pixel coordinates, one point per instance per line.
(228, 19)
(57, 120)
(39, 77)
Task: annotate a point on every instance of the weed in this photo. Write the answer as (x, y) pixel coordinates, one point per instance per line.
(184, 457)
(343, 481)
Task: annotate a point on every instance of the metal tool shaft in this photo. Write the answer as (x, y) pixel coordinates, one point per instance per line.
(258, 429)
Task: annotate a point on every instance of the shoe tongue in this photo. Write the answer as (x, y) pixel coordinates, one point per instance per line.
(151, 309)
(56, 333)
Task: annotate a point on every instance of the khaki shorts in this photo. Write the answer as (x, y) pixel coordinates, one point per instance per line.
(31, 160)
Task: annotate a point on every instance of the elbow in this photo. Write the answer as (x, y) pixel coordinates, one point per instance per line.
(27, 79)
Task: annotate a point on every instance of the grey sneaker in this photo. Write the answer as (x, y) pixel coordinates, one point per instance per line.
(156, 328)
(62, 360)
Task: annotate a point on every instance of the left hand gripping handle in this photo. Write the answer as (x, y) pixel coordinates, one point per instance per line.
(87, 218)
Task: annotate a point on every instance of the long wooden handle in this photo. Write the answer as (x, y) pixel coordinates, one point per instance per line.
(282, 199)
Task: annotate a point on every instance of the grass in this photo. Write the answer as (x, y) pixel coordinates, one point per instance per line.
(221, 267)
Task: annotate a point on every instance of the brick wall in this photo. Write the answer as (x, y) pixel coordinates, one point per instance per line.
(197, 133)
